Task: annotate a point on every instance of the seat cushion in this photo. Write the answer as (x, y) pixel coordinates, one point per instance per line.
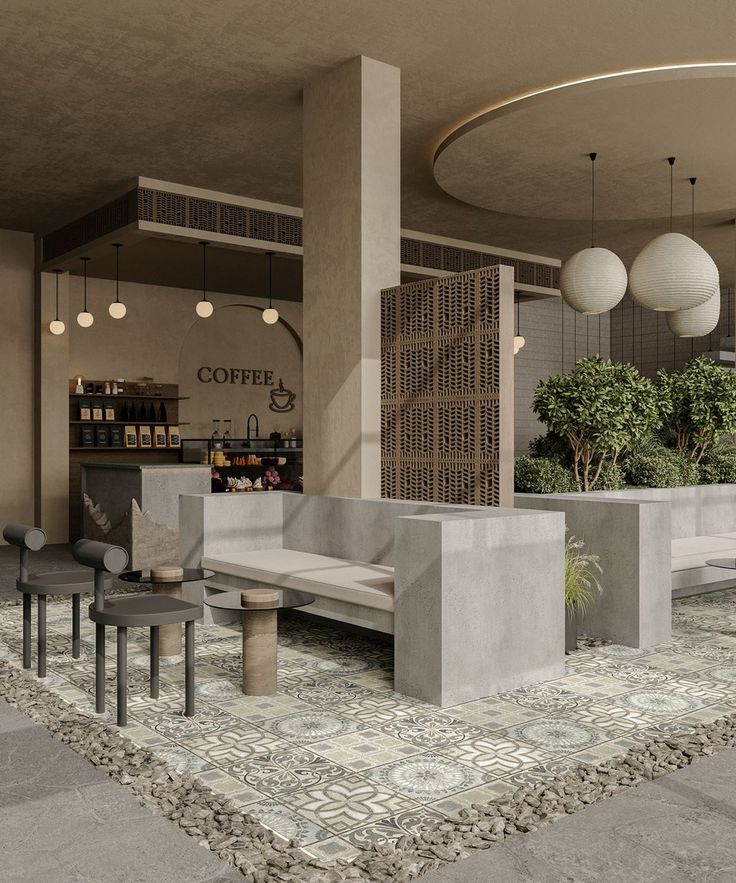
(692, 552)
(352, 581)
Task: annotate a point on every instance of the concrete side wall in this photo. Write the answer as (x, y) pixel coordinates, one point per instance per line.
(699, 510)
(479, 604)
(17, 377)
(632, 540)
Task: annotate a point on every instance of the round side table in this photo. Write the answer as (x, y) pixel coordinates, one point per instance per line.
(167, 580)
(259, 607)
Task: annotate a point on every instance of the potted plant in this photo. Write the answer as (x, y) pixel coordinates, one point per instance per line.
(581, 587)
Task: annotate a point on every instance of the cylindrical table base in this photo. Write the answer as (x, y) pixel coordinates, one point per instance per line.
(260, 630)
(170, 635)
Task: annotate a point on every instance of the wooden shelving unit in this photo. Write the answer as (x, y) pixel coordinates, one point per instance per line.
(79, 453)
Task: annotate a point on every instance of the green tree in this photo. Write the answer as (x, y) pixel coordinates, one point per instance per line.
(601, 408)
(699, 404)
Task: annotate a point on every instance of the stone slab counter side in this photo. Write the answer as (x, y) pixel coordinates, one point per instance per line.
(137, 506)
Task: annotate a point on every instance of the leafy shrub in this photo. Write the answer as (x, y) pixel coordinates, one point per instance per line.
(600, 408)
(718, 466)
(552, 447)
(698, 404)
(662, 468)
(540, 475)
(611, 478)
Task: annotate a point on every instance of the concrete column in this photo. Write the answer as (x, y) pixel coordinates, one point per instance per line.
(52, 409)
(351, 251)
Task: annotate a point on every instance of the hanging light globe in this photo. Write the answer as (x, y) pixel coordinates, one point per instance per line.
(85, 319)
(56, 326)
(673, 273)
(117, 309)
(593, 281)
(204, 309)
(698, 321)
(270, 316)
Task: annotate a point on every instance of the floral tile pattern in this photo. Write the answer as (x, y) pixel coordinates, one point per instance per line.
(337, 760)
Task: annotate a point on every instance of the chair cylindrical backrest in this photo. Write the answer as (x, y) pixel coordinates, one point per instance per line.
(24, 536)
(103, 558)
(27, 539)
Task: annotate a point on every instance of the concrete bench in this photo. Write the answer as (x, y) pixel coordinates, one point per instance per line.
(653, 544)
(472, 595)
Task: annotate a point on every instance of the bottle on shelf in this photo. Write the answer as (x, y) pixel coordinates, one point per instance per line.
(142, 412)
(114, 387)
(152, 412)
(227, 434)
(216, 440)
(162, 416)
(107, 387)
(124, 413)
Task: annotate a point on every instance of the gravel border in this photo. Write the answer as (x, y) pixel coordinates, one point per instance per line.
(260, 855)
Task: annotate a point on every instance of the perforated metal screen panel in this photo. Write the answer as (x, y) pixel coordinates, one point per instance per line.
(441, 389)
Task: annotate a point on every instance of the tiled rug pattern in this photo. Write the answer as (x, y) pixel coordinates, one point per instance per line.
(338, 759)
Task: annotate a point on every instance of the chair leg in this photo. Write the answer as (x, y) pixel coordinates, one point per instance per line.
(75, 627)
(154, 661)
(189, 668)
(42, 636)
(122, 676)
(99, 668)
(26, 631)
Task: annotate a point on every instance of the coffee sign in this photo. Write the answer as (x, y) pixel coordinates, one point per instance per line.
(243, 376)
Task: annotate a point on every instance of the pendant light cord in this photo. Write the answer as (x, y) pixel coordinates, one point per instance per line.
(671, 161)
(592, 198)
(117, 248)
(57, 293)
(84, 263)
(270, 279)
(204, 269)
(692, 208)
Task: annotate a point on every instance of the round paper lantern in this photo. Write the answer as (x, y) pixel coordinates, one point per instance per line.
(117, 309)
(204, 309)
(698, 321)
(519, 343)
(270, 316)
(85, 319)
(56, 326)
(672, 273)
(593, 281)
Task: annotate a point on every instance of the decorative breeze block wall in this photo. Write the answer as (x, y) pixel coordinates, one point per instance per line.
(447, 388)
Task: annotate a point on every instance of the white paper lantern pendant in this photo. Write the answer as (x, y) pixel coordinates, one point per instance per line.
(593, 280)
(673, 272)
(701, 320)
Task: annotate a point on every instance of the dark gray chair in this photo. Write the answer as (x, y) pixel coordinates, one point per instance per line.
(132, 611)
(62, 582)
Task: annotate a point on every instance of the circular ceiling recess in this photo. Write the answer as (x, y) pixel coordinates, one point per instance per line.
(528, 155)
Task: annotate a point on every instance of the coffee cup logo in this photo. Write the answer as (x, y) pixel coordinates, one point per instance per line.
(282, 399)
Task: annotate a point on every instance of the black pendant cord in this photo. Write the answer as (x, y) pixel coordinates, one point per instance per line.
(270, 278)
(671, 161)
(57, 294)
(84, 264)
(592, 198)
(622, 331)
(204, 245)
(587, 336)
(117, 246)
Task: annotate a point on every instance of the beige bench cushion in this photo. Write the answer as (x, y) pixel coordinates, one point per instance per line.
(352, 581)
(692, 552)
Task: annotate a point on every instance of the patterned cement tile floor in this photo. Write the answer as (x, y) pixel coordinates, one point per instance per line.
(337, 759)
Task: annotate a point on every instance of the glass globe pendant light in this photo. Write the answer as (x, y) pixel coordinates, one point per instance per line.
(204, 308)
(519, 341)
(701, 320)
(85, 318)
(56, 326)
(270, 315)
(117, 309)
(593, 280)
(673, 272)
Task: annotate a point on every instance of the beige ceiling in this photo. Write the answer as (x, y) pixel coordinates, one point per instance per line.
(208, 94)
